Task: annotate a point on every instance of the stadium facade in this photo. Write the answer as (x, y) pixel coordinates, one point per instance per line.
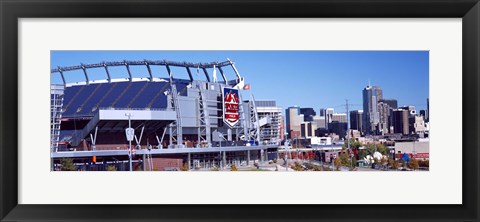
(201, 124)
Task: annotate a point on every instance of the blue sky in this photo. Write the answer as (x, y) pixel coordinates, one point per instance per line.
(317, 79)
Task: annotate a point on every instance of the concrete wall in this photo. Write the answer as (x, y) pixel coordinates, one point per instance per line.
(408, 147)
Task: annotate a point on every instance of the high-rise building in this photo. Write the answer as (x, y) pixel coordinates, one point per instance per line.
(400, 121)
(339, 117)
(384, 117)
(308, 113)
(423, 113)
(427, 116)
(273, 131)
(371, 118)
(412, 112)
(339, 128)
(293, 119)
(319, 122)
(419, 124)
(307, 129)
(282, 128)
(356, 117)
(322, 112)
(338, 124)
(391, 102)
(328, 116)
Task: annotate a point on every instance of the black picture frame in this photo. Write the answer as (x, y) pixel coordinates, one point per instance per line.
(11, 11)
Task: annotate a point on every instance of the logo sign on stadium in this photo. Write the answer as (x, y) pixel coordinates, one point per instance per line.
(230, 106)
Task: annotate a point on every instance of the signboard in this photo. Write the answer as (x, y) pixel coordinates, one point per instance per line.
(231, 101)
(130, 133)
(417, 155)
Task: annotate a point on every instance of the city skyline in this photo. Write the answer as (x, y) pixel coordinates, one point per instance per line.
(403, 75)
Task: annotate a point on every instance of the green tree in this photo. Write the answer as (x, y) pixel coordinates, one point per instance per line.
(353, 144)
(67, 164)
(393, 164)
(298, 167)
(363, 153)
(384, 161)
(382, 149)
(371, 148)
(345, 160)
(423, 163)
(184, 167)
(354, 161)
(413, 164)
(338, 163)
(356, 144)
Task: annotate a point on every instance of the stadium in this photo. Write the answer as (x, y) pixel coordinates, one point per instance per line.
(158, 123)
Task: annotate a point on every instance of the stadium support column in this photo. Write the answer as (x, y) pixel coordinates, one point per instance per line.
(128, 70)
(248, 157)
(189, 73)
(223, 74)
(206, 74)
(261, 155)
(149, 71)
(63, 77)
(170, 135)
(108, 73)
(143, 162)
(170, 75)
(86, 75)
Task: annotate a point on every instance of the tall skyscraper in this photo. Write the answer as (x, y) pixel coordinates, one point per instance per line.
(308, 114)
(427, 116)
(423, 113)
(307, 129)
(393, 103)
(293, 119)
(339, 117)
(273, 131)
(356, 117)
(384, 116)
(328, 116)
(319, 121)
(371, 118)
(338, 124)
(400, 121)
(322, 112)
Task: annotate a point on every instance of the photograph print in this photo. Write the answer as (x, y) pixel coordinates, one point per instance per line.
(239, 111)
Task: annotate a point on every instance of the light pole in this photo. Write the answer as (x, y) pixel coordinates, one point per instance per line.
(414, 152)
(321, 158)
(392, 154)
(129, 132)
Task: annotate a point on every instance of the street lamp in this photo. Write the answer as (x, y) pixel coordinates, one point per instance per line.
(130, 134)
